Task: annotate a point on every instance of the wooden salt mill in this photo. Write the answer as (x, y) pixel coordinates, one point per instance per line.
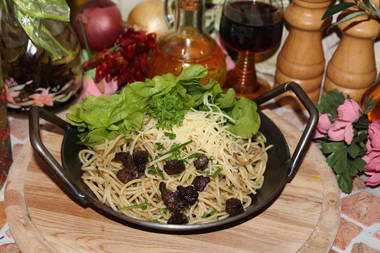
(301, 58)
(352, 68)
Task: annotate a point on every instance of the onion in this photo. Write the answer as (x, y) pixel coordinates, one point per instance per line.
(102, 23)
(149, 16)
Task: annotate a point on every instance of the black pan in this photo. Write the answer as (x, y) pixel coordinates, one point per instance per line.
(281, 166)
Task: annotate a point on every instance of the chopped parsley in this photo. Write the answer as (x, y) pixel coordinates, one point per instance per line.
(216, 174)
(170, 135)
(208, 214)
(194, 156)
(143, 206)
(175, 150)
(156, 171)
(177, 175)
(159, 146)
(169, 110)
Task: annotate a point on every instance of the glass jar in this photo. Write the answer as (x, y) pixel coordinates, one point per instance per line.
(32, 74)
(188, 45)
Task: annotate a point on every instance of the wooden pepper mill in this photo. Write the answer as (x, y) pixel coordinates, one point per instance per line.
(352, 68)
(301, 59)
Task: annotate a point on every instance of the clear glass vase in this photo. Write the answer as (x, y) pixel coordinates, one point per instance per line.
(32, 76)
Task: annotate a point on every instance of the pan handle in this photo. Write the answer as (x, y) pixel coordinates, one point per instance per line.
(54, 167)
(306, 137)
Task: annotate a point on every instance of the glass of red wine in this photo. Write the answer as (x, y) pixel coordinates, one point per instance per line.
(250, 27)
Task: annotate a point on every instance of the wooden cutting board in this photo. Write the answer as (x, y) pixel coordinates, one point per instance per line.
(42, 218)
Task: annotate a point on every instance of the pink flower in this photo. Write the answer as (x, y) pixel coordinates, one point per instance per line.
(10, 82)
(372, 157)
(342, 129)
(373, 142)
(92, 88)
(349, 111)
(43, 98)
(323, 125)
(373, 180)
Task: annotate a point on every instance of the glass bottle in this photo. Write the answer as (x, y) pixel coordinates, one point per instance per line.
(32, 75)
(374, 93)
(188, 45)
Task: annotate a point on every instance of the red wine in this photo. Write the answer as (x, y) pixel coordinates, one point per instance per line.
(251, 26)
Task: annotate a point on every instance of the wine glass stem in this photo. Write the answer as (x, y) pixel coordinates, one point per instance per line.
(243, 76)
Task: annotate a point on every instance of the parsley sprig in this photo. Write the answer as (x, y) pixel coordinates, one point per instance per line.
(169, 110)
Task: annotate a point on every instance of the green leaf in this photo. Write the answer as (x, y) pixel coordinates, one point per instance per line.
(345, 183)
(98, 136)
(226, 100)
(362, 123)
(191, 74)
(360, 137)
(356, 166)
(369, 104)
(247, 118)
(353, 150)
(351, 16)
(373, 7)
(336, 8)
(330, 102)
(45, 9)
(330, 147)
(338, 161)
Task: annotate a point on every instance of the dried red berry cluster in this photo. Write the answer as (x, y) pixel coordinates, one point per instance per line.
(126, 62)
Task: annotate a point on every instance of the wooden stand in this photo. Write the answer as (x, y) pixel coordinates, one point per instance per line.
(42, 219)
(352, 68)
(301, 59)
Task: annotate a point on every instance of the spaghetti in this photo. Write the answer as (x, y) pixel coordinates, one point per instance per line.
(236, 167)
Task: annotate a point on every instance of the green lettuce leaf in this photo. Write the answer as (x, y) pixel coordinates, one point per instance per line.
(166, 98)
(247, 119)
